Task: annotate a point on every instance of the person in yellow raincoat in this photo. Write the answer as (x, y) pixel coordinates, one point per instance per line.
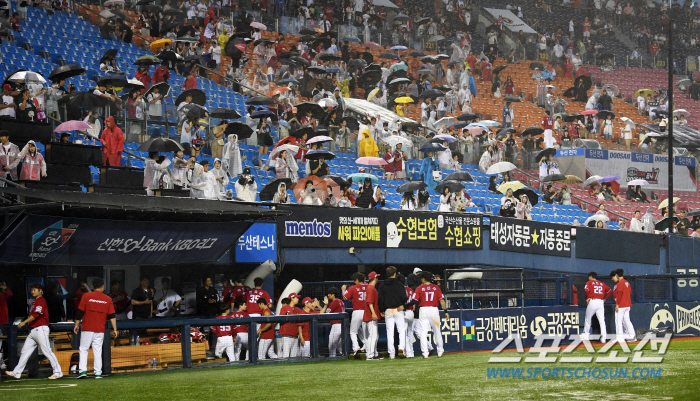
(223, 39)
(367, 145)
(344, 86)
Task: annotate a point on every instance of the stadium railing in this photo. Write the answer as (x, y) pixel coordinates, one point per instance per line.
(130, 352)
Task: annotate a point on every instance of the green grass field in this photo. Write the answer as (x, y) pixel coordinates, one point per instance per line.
(454, 376)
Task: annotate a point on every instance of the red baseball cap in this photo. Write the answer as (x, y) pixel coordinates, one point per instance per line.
(305, 300)
(373, 275)
(7, 86)
(293, 295)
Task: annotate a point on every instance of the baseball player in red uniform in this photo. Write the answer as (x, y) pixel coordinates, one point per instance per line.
(333, 304)
(38, 336)
(622, 292)
(371, 317)
(120, 299)
(596, 294)
(239, 290)
(304, 343)
(290, 332)
(227, 292)
(94, 310)
(266, 333)
(224, 335)
(5, 294)
(240, 331)
(252, 297)
(428, 296)
(411, 324)
(357, 294)
(548, 124)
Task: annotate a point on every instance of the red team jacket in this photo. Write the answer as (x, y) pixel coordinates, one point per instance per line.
(428, 295)
(337, 306)
(358, 294)
(97, 307)
(623, 294)
(288, 329)
(40, 313)
(597, 290)
(305, 327)
(547, 122)
(372, 298)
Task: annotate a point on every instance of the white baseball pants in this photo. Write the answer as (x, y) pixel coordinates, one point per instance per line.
(265, 348)
(623, 324)
(430, 318)
(395, 317)
(408, 319)
(88, 339)
(38, 337)
(595, 307)
(241, 341)
(334, 340)
(290, 347)
(372, 338)
(304, 350)
(225, 344)
(357, 329)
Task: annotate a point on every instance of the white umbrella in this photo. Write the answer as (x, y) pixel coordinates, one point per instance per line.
(500, 167)
(638, 182)
(679, 112)
(395, 139)
(27, 77)
(327, 102)
(664, 203)
(289, 148)
(628, 120)
(654, 134)
(445, 121)
(135, 82)
(591, 180)
(372, 94)
(597, 217)
(320, 138)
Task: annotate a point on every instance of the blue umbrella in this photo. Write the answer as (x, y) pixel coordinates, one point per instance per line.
(262, 114)
(320, 154)
(432, 147)
(479, 124)
(399, 66)
(333, 70)
(490, 123)
(360, 178)
(609, 178)
(399, 48)
(288, 81)
(352, 39)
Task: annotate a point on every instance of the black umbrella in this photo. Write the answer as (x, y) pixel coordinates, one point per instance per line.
(325, 42)
(316, 110)
(422, 21)
(443, 88)
(260, 100)
(235, 47)
(316, 69)
(307, 31)
(390, 56)
(193, 110)
(288, 54)
(531, 195)
(269, 190)
(193, 57)
(430, 60)
(85, 100)
(454, 186)
(569, 118)
(571, 92)
(545, 154)
(351, 123)
(171, 57)
(357, 63)
(198, 97)
(116, 81)
(367, 56)
(160, 144)
(396, 74)
(264, 113)
(504, 131)
(225, 113)
(554, 178)
(66, 71)
(300, 132)
(109, 54)
(432, 93)
(320, 154)
(534, 131)
(467, 117)
(585, 80)
(144, 2)
(238, 128)
(163, 89)
(329, 57)
(416, 54)
(373, 67)
(459, 125)
(511, 99)
(603, 114)
(338, 180)
(119, 14)
(663, 224)
(288, 61)
(411, 186)
(459, 176)
(168, 26)
(500, 68)
(432, 147)
(536, 65)
(152, 8)
(301, 60)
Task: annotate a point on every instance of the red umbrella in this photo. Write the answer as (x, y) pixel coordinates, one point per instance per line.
(289, 140)
(589, 112)
(335, 188)
(320, 185)
(371, 161)
(372, 45)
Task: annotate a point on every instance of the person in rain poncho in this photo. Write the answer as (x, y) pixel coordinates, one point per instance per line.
(9, 153)
(246, 187)
(112, 143)
(445, 157)
(423, 200)
(648, 222)
(508, 115)
(221, 177)
(203, 182)
(309, 196)
(508, 204)
(523, 209)
(486, 159)
(408, 201)
(95, 125)
(179, 169)
(153, 172)
(432, 120)
(34, 166)
(330, 199)
(368, 147)
(446, 199)
(281, 195)
(231, 156)
(429, 164)
(627, 134)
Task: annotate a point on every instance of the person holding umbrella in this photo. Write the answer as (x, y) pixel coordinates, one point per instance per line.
(429, 164)
(281, 195)
(309, 195)
(523, 209)
(246, 187)
(156, 174)
(508, 204)
(264, 138)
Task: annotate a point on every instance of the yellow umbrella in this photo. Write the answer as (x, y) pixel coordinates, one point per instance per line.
(514, 185)
(404, 99)
(372, 94)
(644, 92)
(664, 203)
(160, 43)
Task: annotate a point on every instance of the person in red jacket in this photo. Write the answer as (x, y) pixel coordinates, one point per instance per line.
(5, 294)
(224, 335)
(266, 333)
(94, 310)
(371, 318)
(190, 82)
(240, 331)
(161, 74)
(596, 294)
(38, 336)
(290, 332)
(622, 292)
(142, 75)
(112, 143)
(304, 343)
